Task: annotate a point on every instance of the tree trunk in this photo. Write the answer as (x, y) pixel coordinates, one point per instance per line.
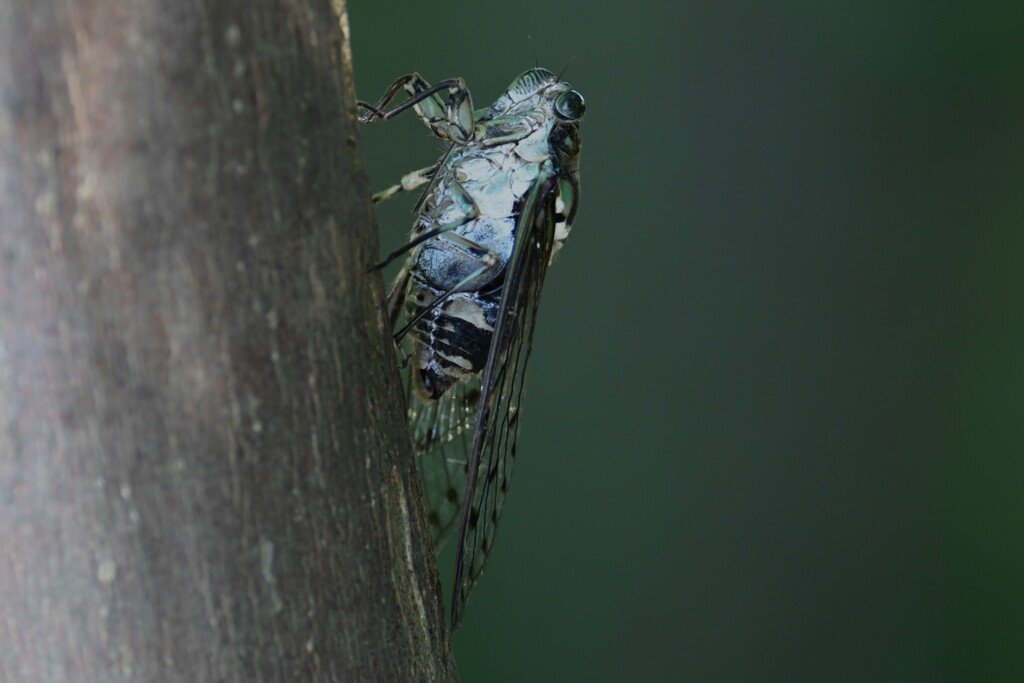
(205, 474)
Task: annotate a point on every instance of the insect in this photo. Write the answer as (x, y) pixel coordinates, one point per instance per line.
(495, 210)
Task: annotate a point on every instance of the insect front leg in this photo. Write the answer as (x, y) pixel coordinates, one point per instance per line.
(452, 121)
(410, 181)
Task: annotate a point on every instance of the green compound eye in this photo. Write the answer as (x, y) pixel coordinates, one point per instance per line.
(569, 106)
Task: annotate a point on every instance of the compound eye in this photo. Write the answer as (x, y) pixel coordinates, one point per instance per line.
(569, 106)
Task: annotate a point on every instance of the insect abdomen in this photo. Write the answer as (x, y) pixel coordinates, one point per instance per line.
(452, 340)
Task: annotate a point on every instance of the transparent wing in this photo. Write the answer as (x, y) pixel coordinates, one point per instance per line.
(493, 448)
(442, 429)
(442, 432)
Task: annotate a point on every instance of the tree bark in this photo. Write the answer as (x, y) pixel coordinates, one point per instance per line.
(205, 473)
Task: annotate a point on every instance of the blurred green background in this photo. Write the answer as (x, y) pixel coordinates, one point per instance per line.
(775, 426)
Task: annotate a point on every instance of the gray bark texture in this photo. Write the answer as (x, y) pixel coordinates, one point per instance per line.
(205, 473)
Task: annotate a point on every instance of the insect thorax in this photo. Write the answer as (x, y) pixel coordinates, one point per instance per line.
(479, 193)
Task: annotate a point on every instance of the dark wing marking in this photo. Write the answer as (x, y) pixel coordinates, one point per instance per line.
(497, 425)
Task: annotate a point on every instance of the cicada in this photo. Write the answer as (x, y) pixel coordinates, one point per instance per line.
(495, 210)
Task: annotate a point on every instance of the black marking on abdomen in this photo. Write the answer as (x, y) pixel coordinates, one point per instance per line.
(452, 345)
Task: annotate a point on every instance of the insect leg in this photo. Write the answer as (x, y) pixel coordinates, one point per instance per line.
(488, 259)
(471, 248)
(453, 121)
(469, 212)
(396, 294)
(410, 181)
(376, 111)
(413, 244)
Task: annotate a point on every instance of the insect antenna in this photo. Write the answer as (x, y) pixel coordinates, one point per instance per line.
(565, 68)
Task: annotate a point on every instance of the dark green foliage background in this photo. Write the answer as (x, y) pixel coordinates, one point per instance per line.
(775, 423)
